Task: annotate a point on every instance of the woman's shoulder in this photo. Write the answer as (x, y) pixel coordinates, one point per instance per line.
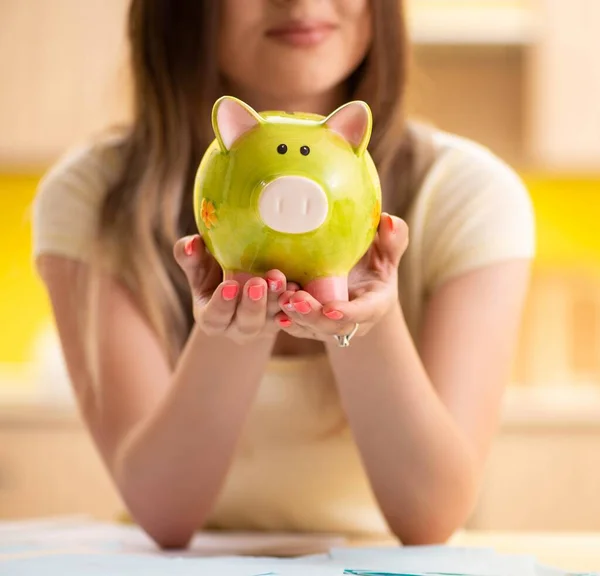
(472, 208)
(69, 195)
(457, 158)
(463, 173)
(88, 164)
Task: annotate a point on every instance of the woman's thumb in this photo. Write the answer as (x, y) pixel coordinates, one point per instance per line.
(393, 236)
(189, 253)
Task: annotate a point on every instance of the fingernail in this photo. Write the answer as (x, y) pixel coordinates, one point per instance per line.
(391, 224)
(334, 315)
(230, 291)
(285, 322)
(288, 306)
(303, 307)
(275, 285)
(256, 292)
(188, 248)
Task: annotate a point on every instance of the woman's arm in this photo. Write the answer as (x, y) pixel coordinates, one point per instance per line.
(166, 438)
(423, 419)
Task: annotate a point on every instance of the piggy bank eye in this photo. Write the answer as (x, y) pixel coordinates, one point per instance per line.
(305, 150)
(282, 148)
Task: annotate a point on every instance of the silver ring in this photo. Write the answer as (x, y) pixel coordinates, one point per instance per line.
(344, 340)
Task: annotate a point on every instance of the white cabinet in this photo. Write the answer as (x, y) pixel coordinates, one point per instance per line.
(62, 74)
(564, 80)
(559, 45)
(544, 470)
(475, 22)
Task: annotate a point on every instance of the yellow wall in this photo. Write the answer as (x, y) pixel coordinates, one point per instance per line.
(567, 211)
(23, 304)
(568, 217)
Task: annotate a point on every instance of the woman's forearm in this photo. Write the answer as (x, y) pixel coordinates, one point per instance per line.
(422, 469)
(171, 466)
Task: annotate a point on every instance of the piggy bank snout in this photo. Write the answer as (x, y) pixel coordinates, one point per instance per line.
(293, 205)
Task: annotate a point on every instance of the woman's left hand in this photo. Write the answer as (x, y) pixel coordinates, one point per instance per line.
(372, 287)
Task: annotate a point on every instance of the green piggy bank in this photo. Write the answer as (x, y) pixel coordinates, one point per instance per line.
(289, 191)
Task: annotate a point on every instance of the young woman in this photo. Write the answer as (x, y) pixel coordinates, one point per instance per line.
(220, 405)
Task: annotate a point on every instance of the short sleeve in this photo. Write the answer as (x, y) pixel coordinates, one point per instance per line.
(68, 200)
(479, 213)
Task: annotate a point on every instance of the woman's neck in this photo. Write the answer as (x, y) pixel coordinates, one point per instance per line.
(323, 104)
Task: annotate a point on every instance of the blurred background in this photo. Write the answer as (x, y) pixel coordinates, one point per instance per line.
(520, 76)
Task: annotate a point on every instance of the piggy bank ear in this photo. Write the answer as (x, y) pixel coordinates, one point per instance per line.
(353, 122)
(232, 118)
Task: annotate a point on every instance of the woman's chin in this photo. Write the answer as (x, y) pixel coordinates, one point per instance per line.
(299, 88)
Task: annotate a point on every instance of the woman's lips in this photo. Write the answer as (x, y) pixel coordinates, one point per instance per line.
(301, 34)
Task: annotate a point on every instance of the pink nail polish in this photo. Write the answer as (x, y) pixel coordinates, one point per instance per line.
(230, 291)
(334, 315)
(288, 306)
(188, 247)
(256, 292)
(285, 322)
(303, 307)
(391, 224)
(274, 285)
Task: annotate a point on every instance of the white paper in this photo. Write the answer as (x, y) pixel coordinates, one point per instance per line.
(127, 564)
(101, 537)
(74, 546)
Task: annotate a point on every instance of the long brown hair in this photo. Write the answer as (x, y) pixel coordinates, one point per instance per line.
(175, 83)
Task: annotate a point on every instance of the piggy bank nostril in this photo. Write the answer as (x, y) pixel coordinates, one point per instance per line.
(305, 206)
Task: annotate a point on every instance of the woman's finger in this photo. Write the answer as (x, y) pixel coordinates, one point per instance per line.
(301, 307)
(306, 313)
(276, 284)
(285, 323)
(250, 316)
(189, 252)
(202, 271)
(363, 309)
(217, 314)
(392, 238)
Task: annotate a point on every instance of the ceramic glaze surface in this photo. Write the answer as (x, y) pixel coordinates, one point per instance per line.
(292, 191)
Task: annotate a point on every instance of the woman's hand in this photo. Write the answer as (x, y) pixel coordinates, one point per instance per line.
(372, 286)
(225, 307)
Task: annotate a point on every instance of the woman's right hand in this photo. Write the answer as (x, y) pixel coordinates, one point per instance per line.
(225, 307)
